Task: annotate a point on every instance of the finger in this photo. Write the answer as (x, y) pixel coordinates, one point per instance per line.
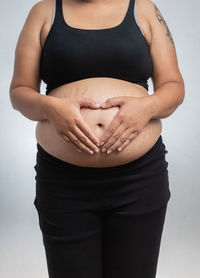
(68, 141)
(84, 139)
(114, 137)
(114, 101)
(122, 139)
(87, 131)
(115, 123)
(78, 144)
(123, 145)
(89, 103)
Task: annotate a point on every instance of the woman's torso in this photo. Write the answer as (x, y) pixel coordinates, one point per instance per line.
(94, 84)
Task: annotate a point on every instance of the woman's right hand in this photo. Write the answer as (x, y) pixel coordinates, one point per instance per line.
(64, 114)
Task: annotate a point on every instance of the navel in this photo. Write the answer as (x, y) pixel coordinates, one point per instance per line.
(100, 125)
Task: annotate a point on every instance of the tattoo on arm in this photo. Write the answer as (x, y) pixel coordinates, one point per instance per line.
(163, 22)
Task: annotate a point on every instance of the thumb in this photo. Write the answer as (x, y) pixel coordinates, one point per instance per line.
(115, 101)
(89, 103)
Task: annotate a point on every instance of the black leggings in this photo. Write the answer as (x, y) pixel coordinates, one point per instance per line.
(102, 222)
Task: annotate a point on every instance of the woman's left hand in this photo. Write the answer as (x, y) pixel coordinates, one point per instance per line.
(133, 115)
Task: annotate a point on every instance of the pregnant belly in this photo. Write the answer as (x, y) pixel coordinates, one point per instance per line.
(99, 89)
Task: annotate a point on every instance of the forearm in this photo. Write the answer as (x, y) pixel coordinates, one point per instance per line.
(30, 103)
(166, 99)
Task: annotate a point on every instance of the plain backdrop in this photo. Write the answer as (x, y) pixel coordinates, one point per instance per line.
(21, 250)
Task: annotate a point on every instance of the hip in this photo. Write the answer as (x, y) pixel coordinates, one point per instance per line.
(64, 187)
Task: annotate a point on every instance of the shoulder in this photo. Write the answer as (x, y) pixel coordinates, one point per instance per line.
(41, 10)
(147, 7)
(151, 13)
(42, 5)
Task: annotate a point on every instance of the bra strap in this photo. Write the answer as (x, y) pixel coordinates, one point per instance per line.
(57, 13)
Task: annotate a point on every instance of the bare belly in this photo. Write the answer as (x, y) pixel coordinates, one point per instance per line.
(99, 89)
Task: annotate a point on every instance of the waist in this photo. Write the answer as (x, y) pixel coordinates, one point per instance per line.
(157, 151)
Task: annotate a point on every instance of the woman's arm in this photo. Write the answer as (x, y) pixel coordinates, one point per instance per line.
(25, 84)
(169, 89)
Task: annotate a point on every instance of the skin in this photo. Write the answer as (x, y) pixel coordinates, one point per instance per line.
(100, 89)
(124, 127)
(163, 22)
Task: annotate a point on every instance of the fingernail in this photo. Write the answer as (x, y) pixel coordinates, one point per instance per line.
(96, 150)
(103, 150)
(119, 149)
(102, 143)
(109, 151)
(91, 151)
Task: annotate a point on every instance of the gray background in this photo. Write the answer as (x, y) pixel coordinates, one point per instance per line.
(21, 250)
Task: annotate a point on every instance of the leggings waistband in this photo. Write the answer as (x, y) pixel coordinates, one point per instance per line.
(153, 153)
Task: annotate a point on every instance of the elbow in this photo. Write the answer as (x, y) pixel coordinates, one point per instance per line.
(12, 97)
(182, 91)
(179, 89)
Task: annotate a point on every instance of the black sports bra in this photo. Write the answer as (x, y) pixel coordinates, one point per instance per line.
(70, 54)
